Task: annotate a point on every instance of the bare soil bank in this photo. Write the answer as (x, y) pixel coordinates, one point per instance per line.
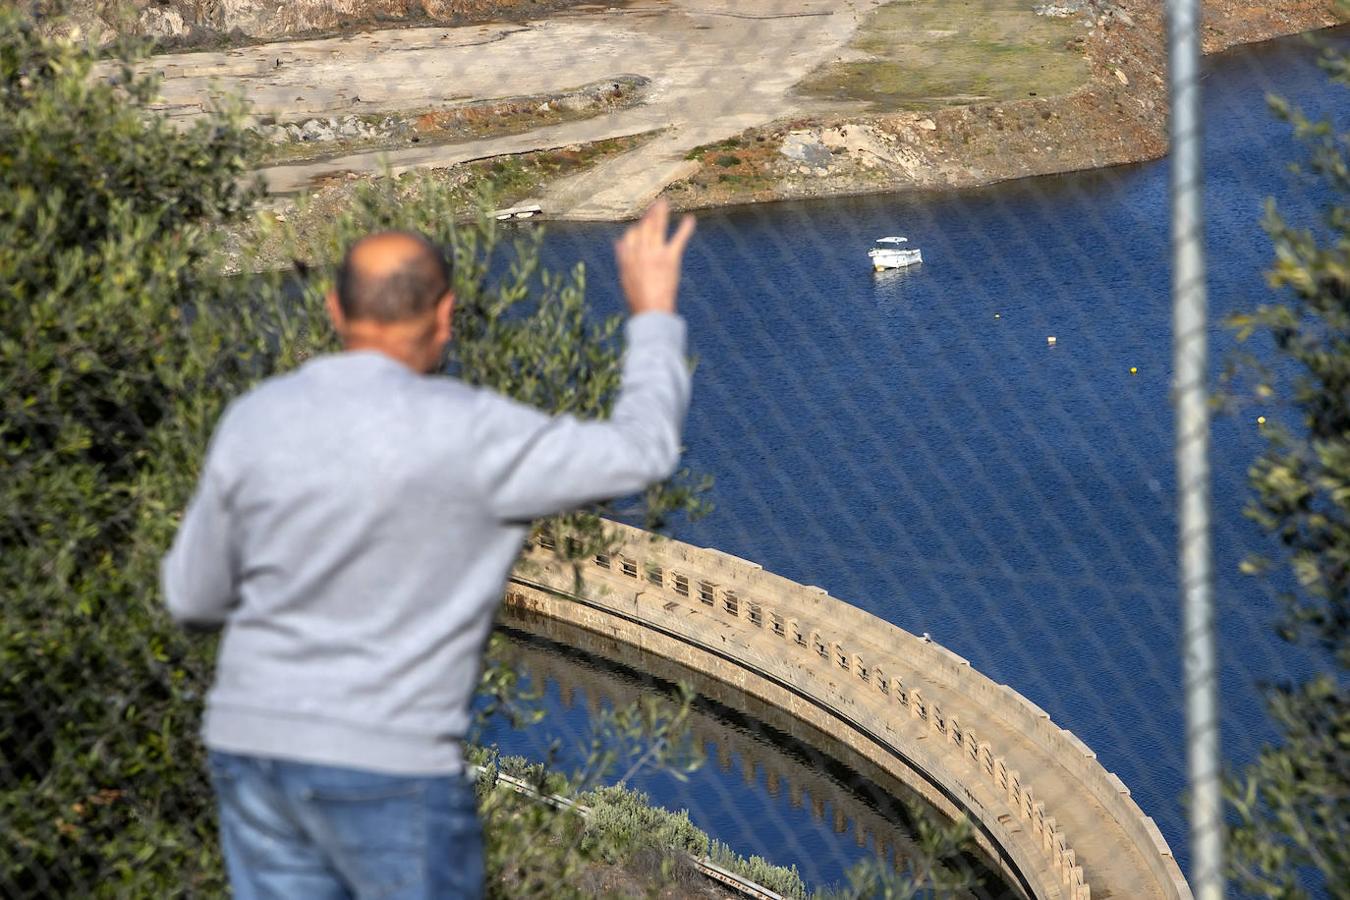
(183, 24)
(856, 96)
(1118, 116)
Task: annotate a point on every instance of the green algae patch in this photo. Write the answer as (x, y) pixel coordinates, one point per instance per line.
(926, 54)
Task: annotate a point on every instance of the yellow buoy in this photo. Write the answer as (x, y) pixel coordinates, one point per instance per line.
(1260, 420)
(1134, 370)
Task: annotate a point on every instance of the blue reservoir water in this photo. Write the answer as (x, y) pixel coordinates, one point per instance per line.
(769, 785)
(912, 443)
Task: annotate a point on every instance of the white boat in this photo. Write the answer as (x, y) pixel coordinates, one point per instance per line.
(890, 254)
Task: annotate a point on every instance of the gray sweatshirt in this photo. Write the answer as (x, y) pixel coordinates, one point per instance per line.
(353, 530)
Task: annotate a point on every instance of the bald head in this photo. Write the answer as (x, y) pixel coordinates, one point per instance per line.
(391, 276)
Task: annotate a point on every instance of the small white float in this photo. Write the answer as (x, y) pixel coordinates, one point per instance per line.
(890, 254)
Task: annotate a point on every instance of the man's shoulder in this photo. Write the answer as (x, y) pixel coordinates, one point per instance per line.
(279, 402)
(322, 388)
(263, 395)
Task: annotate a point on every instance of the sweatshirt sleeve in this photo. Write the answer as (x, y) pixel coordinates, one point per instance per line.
(530, 464)
(197, 575)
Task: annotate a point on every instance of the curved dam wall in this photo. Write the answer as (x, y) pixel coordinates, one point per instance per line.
(1058, 824)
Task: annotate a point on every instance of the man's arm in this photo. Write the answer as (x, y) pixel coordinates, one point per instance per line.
(197, 574)
(532, 465)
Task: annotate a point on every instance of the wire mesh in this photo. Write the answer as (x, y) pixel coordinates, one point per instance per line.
(975, 449)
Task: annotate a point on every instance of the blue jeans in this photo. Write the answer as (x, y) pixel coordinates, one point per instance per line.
(295, 830)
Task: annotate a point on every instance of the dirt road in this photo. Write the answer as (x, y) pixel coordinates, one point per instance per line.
(715, 70)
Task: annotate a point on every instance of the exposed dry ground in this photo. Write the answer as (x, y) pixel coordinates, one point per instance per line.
(215, 24)
(798, 97)
(317, 139)
(709, 79)
(1117, 114)
(924, 54)
(514, 178)
(1228, 23)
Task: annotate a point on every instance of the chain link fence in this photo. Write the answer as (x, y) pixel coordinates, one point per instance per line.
(975, 449)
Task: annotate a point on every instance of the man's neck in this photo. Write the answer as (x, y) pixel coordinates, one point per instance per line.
(399, 352)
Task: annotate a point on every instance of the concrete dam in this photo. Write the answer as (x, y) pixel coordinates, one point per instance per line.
(795, 765)
(1056, 823)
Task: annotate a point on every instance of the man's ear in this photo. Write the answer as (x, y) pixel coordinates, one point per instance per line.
(335, 312)
(445, 313)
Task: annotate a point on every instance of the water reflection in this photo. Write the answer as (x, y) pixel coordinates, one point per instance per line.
(891, 284)
(772, 785)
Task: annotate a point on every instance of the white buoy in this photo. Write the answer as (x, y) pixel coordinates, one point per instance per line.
(1050, 340)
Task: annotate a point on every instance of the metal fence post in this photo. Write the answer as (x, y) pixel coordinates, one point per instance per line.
(1192, 451)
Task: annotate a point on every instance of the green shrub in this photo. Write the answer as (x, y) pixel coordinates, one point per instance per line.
(727, 160)
(120, 344)
(623, 820)
(118, 347)
(1289, 836)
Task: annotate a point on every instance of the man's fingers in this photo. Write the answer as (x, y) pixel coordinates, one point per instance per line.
(625, 245)
(630, 237)
(682, 234)
(657, 221)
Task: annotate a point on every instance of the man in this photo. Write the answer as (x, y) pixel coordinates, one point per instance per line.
(352, 531)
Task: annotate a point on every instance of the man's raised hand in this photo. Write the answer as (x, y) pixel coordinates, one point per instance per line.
(649, 264)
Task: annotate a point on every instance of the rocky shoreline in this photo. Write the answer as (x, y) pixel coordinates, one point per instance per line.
(1118, 117)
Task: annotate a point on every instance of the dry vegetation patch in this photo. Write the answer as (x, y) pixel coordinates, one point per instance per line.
(925, 54)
